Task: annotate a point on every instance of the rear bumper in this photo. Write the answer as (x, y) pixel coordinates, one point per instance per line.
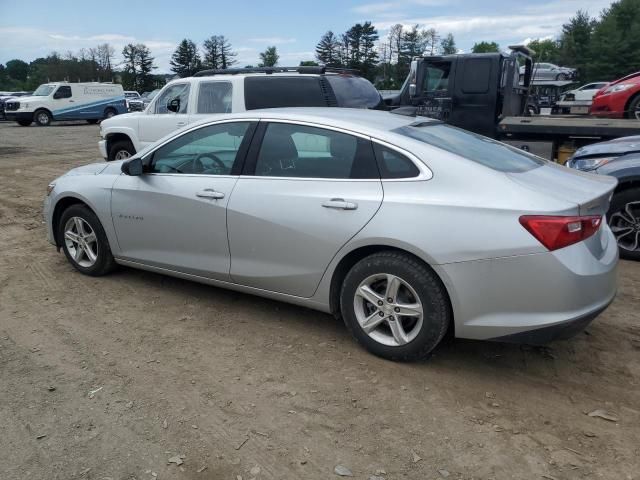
(19, 116)
(533, 298)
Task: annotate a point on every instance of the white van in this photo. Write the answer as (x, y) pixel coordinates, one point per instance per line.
(67, 101)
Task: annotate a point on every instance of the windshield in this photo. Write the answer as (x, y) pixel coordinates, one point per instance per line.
(131, 94)
(152, 94)
(43, 90)
(471, 146)
(354, 92)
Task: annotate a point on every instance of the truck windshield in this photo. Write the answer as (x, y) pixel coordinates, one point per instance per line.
(476, 148)
(43, 90)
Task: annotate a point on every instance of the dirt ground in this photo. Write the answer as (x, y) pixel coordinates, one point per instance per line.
(110, 378)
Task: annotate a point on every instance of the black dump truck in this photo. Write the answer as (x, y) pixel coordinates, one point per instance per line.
(487, 94)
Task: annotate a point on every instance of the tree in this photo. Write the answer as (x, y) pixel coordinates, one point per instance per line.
(17, 70)
(129, 67)
(360, 48)
(218, 53)
(485, 47)
(327, 50)
(185, 61)
(269, 58)
(144, 67)
(448, 45)
(431, 41)
(545, 50)
(575, 42)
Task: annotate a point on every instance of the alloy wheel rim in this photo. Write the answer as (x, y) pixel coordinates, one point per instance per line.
(81, 242)
(388, 309)
(110, 114)
(122, 154)
(43, 118)
(625, 225)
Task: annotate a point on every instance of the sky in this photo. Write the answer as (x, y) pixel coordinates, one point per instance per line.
(33, 28)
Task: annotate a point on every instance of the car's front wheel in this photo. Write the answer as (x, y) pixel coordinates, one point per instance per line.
(624, 221)
(43, 118)
(84, 241)
(395, 306)
(121, 150)
(561, 77)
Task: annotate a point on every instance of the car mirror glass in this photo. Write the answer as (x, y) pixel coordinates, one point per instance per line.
(174, 105)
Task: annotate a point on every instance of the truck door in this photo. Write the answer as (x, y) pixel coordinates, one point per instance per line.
(434, 82)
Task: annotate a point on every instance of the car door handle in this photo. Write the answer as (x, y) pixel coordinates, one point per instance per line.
(339, 204)
(209, 193)
(181, 124)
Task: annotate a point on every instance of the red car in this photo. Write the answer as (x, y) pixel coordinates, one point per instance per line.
(619, 99)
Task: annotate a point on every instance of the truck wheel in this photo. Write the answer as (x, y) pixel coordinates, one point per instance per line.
(93, 121)
(624, 221)
(634, 108)
(120, 150)
(43, 118)
(110, 112)
(24, 123)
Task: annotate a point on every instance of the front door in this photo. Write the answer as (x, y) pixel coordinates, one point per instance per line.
(174, 215)
(160, 121)
(306, 191)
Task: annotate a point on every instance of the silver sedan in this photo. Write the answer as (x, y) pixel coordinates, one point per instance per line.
(405, 227)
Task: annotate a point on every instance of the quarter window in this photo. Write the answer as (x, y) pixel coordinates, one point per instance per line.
(179, 91)
(279, 91)
(290, 150)
(393, 164)
(214, 97)
(210, 150)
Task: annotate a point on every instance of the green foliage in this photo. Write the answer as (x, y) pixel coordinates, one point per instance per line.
(545, 50)
(17, 70)
(308, 63)
(218, 53)
(485, 47)
(137, 68)
(269, 58)
(185, 61)
(328, 50)
(448, 45)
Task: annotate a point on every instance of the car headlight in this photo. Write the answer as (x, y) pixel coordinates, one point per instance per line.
(618, 88)
(588, 164)
(50, 188)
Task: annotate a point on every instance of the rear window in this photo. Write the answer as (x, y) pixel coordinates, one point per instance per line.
(471, 146)
(354, 92)
(275, 92)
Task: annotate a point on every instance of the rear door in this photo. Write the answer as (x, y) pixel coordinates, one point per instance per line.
(212, 97)
(160, 121)
(305, 192)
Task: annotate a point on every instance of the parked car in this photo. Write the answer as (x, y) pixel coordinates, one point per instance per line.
(549, 71)
(187, 100)
(67, 101)
(619, 158)
(406, 227)
(133, 100)
(6, 96)
(620, 99)
(585, 93)
(546, 94)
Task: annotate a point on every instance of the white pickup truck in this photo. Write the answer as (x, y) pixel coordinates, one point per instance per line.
(212, 92)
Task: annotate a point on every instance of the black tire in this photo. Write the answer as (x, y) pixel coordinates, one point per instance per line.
(93, 121)
(42, 118)
(560, 77)
(104, 262)
(24, 123)
(618, 205)
(430, 290)
(118, 148)
(633, 111)
(110, 112)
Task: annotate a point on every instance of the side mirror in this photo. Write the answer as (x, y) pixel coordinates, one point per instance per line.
(174, 105)
(132, 167)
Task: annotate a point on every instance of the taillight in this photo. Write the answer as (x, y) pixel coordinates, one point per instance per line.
(558, 232)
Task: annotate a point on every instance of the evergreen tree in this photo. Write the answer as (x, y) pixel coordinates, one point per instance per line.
(129, 67)
(211, 57)
(327, 50)
(144, 67)
(227, 55)
(269, 58)
(575, 42)
(185, 61)
(448, 45)
(545, 50)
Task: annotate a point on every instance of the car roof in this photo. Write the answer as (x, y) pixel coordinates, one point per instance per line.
(376, 123)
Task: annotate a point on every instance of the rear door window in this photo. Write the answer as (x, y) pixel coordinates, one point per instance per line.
(272, 91)
(214, 97)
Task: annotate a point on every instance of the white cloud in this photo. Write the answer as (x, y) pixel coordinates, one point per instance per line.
(272, 40)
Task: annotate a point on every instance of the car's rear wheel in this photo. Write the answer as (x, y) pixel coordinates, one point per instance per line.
(395, 306)
(84, 241)
(92, 121)
(121, 150)
(624, 221)
(110, 112)
(43, 118)
(634, 108)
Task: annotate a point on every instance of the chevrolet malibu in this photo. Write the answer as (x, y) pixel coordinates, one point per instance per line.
(405, 227)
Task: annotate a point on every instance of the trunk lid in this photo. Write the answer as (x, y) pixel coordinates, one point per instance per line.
(590, 192)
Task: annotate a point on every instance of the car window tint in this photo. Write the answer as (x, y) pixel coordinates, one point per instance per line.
(63, 91)
(354, 92)
(471, 146)
(179, 91)
(214, 97)
(393, 164)
(437, 77)
(290, 150)
(210, 150)
(275, 91)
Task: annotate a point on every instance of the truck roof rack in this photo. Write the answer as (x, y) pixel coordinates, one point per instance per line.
(317, 70)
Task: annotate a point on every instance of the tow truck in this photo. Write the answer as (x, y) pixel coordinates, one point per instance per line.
(486, 93)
